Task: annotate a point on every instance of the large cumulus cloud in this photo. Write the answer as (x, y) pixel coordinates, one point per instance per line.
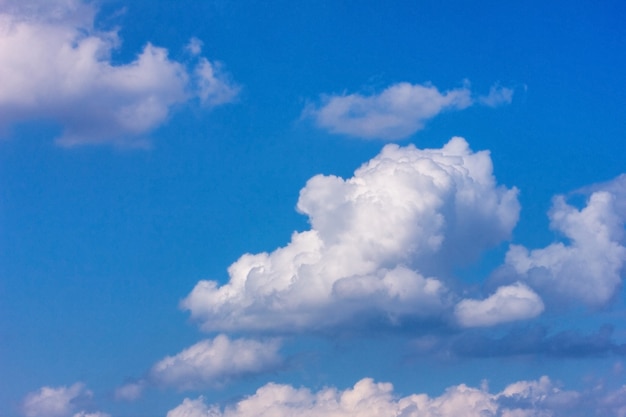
(378, 245)
(56, 66)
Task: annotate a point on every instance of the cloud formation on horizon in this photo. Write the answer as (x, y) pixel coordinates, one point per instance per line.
(535, 398)
(397, 112)
(57, 67)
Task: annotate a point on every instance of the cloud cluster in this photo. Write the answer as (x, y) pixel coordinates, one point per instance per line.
(539, 398)
(588, 267)
(376, 241)
(57, 66)
(58, 402)
(397, 112)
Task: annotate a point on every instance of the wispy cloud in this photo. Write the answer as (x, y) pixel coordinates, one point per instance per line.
(497, 96)
(397, 112)
(57, 66)
(58, 402)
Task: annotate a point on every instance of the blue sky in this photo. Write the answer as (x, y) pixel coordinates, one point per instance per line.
(214, 208)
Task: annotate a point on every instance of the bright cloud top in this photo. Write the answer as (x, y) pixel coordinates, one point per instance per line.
(57, 66)
(540, 398)
(509, 303)
(376, 240)
(58, 402)
(397, 112)
(588, 269)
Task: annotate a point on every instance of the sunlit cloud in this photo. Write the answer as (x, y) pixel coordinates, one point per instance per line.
(57, 67)
(377, 242)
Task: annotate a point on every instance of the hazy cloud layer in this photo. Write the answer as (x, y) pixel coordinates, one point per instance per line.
(376, 242)
(397, 112)
(58, 402)
(535, 341)
(57, 67)
(588, 267)
(540, 398)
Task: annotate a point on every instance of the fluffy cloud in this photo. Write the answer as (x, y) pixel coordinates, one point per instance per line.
(365, 399)
(58, 402)
(509, 303)
(57, 66)
(588, 268)
(376, 240)
(213, 362)
(397, 112)
(540, 398)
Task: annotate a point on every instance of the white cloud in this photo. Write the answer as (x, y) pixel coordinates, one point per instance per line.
(57, 66)
(366, 399)
(194, 408)
(213, 362)
(535, 398)
(508, 303)
(375, 241)
(497, 96)
(58, 402)
(588, 268)
(397, 112)
(53, 402)
(96, 414)
(538, 398)
(213, 87)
